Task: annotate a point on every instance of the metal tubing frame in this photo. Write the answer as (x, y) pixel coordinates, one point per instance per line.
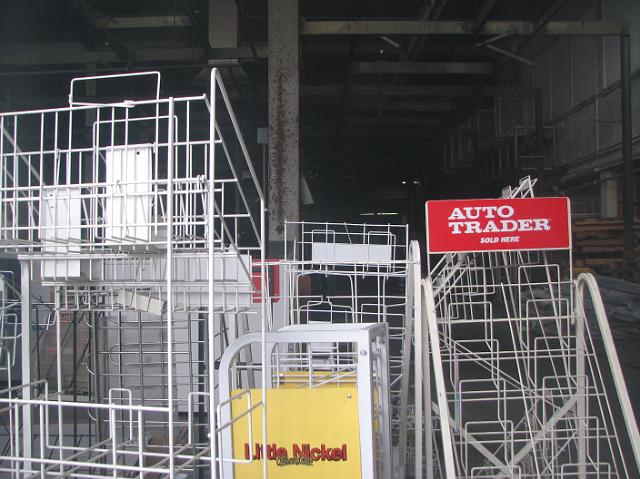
(25, 290)
(361, 334)
(211, 250)
(413, 319)
(532, 346)
(586, 281)
(438, 372)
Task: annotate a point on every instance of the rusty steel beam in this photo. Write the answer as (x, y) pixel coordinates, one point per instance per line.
(441, 27)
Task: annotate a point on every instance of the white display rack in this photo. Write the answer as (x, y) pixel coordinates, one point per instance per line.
(344, 273)
(522, 389)
(138, 224)
(138, 227)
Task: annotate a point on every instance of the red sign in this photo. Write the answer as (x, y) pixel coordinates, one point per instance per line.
(455, 226)
(273, 277)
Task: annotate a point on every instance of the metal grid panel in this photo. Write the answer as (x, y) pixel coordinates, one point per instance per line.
(134, 220)
(356, 273)
(519, 381)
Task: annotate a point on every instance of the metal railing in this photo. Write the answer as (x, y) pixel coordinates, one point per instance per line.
(520, 388)
(141, 221)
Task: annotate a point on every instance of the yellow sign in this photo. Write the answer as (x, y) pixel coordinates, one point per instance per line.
(311, 433)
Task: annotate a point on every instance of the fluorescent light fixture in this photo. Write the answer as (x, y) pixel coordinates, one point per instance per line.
(380, 214)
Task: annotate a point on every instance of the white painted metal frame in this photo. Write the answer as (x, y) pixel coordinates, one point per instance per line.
(363, 360)
(136, 215)
(521, 390)
(361, 273)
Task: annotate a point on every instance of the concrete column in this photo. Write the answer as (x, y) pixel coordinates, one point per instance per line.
(284, 161)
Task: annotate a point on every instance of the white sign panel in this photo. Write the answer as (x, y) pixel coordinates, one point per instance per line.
(127, 213)
(60, 215)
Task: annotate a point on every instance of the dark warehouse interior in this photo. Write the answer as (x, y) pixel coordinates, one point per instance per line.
(245, 198)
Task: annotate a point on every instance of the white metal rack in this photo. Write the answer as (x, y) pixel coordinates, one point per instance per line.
(520, 388)
(360, 273)
(133, 215)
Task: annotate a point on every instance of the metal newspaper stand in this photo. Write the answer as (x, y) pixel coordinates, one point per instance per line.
(526, 379)
(337, 360)
(328, 413)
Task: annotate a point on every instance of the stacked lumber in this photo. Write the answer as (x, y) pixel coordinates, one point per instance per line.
(598, 244)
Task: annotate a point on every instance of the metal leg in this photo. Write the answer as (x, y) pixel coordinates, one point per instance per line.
(581, 397)
(59, 388)
(384, 419)
(587, 281)
(428, 413)
(410, 317)
(365, 399)
(420, 356)
(443, 407)
(25, 293)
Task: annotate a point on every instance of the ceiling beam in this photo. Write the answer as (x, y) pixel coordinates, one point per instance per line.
(86, 17)
(425, 27)
(417, 90)
(69, 53)
(397, 122)
(483, 14)
(430, 11)
(425, 68)
(239, 53)
(147, 21)
(549, 13)
(438, 91)
(399, 106)
(408, 134)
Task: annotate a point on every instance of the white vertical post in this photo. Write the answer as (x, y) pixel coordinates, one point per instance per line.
(25, 294)
(443, 407)
(365, 413)
(426, 385)
(588, 280)
(58, 319)
(410, 318)
(211, 349)
(581, 393)
(266, 373)
(418, 356)
(383, 408)
(170, 161)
